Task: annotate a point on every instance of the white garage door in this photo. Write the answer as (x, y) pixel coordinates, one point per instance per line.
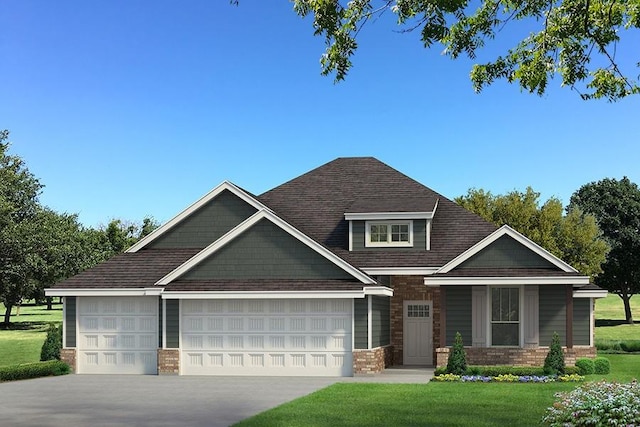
(117, 335)
(266, 337)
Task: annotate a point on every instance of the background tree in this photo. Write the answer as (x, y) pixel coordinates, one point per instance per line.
(576, 39)
(616, 206)
(574, 237)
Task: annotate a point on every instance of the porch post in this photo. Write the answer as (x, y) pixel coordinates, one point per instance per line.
(443, 317)
(569, 320)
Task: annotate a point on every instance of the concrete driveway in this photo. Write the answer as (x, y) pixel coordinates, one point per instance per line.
(146, 400)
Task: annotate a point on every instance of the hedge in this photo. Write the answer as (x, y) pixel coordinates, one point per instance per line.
(618, 346)
(494, 371)
(33, 370)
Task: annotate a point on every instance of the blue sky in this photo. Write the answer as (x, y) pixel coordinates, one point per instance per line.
(132, 108)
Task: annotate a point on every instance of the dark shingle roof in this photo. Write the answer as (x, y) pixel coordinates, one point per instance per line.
(316, 203)
(140, 269)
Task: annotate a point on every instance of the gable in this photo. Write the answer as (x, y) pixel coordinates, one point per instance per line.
(506, 252)
(265, 251)
(207, 224)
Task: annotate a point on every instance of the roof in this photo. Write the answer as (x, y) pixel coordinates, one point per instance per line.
(316, 202)
(263, 285)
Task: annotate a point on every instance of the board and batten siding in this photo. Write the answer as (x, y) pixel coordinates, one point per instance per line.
(360, 323)
(581, 321)
(207, 224)
(266, 251)
(419, 237)
(459, 313)
(380, 321)
(553, 313)
(506, 253)
(173, 323)
(70, 321)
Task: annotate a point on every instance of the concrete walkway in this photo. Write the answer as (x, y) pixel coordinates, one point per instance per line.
(132, 400)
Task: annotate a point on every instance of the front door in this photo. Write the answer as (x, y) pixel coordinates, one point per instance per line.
(417, 334)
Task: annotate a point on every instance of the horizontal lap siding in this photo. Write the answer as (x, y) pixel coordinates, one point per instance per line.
(581, 322)
(361, 324)
(173, 323)
(458, 303)
(207, 224)
(70, 321)
(553, 313)
(380, 322)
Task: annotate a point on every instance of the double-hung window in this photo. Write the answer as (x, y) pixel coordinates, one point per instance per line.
(505, 316)
(389, 233)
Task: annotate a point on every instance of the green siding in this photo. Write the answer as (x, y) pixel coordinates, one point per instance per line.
(553, 313)
(70, 321)
(506, 253)
(207, 224)
(361, 324)
(160, 314)
(173, 323)
(458, 303)
(380, 321)
(581, 322)
(419, 237)
(266, 251)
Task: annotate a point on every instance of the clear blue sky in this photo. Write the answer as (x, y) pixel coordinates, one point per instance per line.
(132, 108)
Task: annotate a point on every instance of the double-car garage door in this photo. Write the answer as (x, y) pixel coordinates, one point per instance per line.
(290, 337)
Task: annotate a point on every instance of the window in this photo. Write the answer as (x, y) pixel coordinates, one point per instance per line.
(505, 316)
(418, 310)
(389, 233)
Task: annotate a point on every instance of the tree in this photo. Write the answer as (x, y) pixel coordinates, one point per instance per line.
(120, 234)
(457, 362)
(616, 206)
(554, 361)
(574, 237)
(579, 40)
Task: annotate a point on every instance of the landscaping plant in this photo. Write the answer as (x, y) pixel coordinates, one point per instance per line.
(554, 362)
(52, 344)
(457, 362)
(601, 365)
(586, 366)
(596, 404)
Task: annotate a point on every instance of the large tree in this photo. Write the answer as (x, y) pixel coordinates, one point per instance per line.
(574, 237)
(579, 40)
(616, 205)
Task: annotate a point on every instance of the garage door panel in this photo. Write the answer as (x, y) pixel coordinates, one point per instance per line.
(117, 335)
(266, 337)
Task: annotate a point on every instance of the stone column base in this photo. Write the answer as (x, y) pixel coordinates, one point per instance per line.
(168, 361)
(68, 356)
(372, 361)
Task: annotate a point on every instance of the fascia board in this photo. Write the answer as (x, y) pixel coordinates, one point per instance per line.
(378, 290)
(248, 223)
(590, 293)
(263, 295)
(225, 185)
(378, 216)
(400, 271)
(467, 281)
(103, 292)
(506, 230)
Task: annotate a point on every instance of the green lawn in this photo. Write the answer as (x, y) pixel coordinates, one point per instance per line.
(610, 320)
(23, 341)
(432, 404)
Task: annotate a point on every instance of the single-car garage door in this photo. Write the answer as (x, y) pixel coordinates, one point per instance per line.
(297, 337)
(117, 335)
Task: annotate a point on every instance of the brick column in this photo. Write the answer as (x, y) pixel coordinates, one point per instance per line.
(168, 361)
(68, 356)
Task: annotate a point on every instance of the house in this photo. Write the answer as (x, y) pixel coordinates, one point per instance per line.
(347, 269)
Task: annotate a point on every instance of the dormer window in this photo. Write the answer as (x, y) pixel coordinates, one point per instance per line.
(388, 233)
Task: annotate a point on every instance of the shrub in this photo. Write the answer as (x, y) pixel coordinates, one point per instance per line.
(630, 346)
(554, 362)
(440, 371)
(494, 371)
(601, 365)
(52, 344)
(457, 362)
(596, 404)
(586, 366)
(33, 370)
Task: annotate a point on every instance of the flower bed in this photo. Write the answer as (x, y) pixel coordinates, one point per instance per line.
(508, 378)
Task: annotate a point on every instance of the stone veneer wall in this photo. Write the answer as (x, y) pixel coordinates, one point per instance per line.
(68, 356)
(168, 361)
(372, 361)
(514, 356)
(409, 288)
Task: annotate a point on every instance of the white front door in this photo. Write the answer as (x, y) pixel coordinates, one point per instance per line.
(417, 333)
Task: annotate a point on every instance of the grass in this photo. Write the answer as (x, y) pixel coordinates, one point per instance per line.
(432, 404)
(610, 320)
(22, 342)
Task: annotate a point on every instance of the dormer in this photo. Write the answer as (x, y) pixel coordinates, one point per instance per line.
(401, 223)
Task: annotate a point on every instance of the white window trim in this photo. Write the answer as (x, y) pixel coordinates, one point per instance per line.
(520, 319)
(367, 237)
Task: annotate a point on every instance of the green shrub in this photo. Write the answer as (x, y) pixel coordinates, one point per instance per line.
(586, 366)
(457, 362)
(33, 370)
(440, 371)
(554, 362)
(571, 370)
(630, 346)
(494, 371)
(52, 344)
(601, 365)
(596, 404)
(613, 346)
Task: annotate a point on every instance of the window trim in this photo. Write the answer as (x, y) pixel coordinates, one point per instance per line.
(520, 321)
(388, 244)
